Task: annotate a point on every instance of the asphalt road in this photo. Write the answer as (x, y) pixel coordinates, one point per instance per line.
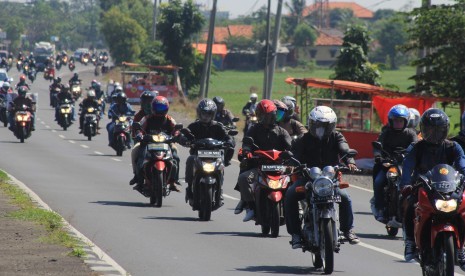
(88, 185)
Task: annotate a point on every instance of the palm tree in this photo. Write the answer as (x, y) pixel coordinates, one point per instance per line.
(297, 8)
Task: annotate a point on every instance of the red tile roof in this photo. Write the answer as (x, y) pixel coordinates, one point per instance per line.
(358, 10)
(223, 33)
(328, 40)
(217, 49)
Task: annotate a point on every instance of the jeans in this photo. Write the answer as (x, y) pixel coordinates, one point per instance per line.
(189, 175)
(379, 183)
(110, 129)
(291, 209)
(246, 182)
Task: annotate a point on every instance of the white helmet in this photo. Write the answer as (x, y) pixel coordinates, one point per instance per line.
(321, 121)
(91, 94)
(414, 118)
(253, 97)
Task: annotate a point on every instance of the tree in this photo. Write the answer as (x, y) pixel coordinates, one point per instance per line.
(352, 64)
(440, 29)
(177, 25)
(304, 36)
(14, 29)
(125, 37)
(296, 8)
(390, 35)
(153, 54)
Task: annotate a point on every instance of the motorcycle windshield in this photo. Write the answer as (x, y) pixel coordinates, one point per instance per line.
(445, 186)
(444, 178)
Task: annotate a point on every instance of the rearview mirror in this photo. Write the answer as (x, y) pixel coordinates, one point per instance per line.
(233, 132)
(178, 126)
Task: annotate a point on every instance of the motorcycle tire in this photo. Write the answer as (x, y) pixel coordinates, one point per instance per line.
(206, 197)
(327, 245)
(392, 231)
(5, 124)
(445, 247)
(156, 197)
(65, 127)
(265, 229)
(120, 145)
(274, 219)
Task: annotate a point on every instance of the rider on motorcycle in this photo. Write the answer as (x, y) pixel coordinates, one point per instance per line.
(294, 112)
(18, 102)
(396, 135)
(414, 120)
(146, 99)
(5, 88)
(206, 127)
(267, 135)
(99, 94)
(424, 155)
(20, 55)
(4, 63)
(75, 78)
(288, 122)
(158, 121)
(321, 146)
(22, 82)
(65, 94)
(89, 101)
(223, 115)
(249, 108)
(121, 107)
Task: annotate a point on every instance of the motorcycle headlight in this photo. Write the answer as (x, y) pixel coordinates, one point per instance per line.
(323, 186)
(122, 118)
(158, 138)
(90, 110)
(208, 167)
(64, 110)
(20, 118)
(274, 184)
(75, 89)
(446, 206)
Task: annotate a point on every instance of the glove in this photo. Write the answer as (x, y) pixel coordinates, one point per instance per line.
(147, 138)
(406, 191)
(378, 159)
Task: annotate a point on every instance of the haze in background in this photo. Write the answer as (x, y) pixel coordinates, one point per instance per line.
(246, 7)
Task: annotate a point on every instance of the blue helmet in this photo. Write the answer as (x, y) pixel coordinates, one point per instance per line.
(398, 111)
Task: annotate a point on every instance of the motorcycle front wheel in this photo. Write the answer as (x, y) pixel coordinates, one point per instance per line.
(327, 245)
(445, 252)
(206, 198)
(274, 218)
(156, 197)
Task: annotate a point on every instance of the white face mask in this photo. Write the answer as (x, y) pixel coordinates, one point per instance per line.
(320, 132)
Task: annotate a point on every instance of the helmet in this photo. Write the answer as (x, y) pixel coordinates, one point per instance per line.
(253, 97)
(93, 83)
(321, 121)
(399, 111)
(118, 89)
(6, 86)
(146, 99)
(414, 118)
(58, 80)
(206, 110)
(22, 90)
(281, 110)
(22, 78)
(121, 98)
(290, 107)
(65, 88)
(434, 126)
(91, 94)
(160, 106)
(219, 103)
(76, 75)
(266, 112)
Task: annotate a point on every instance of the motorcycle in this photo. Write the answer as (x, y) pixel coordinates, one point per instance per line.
(122, 134)
(58, 64)
(53, 96)
(3, 110)
(320, 233)
(64, 59)
(71, 66)
(157, 167)
(391, 211)
(207, 182)
(49, 73)
(23, 123)
(65, 114)
(85, 59)
(31, 74)
(19, 65)
(439, 219)
(98, 69)
(272, 182)
(90, 123)
(93, 59)
(76, 89)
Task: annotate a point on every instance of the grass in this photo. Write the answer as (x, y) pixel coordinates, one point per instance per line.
(51, 221)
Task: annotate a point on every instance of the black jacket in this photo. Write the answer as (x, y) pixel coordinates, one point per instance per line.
(213, 130)
(314, 152)
(275, 137)
(392, 140)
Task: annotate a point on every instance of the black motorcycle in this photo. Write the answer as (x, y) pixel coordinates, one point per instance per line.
(121, 134)
(65, 114)
(208, 174)
(90, 122)
(31, 74)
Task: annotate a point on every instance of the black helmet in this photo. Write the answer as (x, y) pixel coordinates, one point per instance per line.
(290, 108)
(121, 98)
(146, 99)
(65, 88)
(76, 75)
(219, 102)
(434, 126)
(58, 80)
(22, 90)
(206, 110)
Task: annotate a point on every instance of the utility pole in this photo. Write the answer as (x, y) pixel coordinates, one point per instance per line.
(208, 55)
(267, 51)
(154, 24)
(277, 27)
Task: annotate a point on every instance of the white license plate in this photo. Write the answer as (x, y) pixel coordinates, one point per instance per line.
(209, 153)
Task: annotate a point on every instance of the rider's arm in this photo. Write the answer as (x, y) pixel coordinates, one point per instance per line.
(459, 162)
(245, 109)
(381, 138)
(408, 168)
(343, 148)
(301, 129)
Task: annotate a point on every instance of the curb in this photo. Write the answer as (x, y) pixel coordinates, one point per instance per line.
(97, 260)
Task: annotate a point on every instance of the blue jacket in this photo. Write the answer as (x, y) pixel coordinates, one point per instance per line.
(116, 110)
(422, 157)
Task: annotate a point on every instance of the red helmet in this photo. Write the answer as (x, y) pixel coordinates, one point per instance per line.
(160, 106)
(22, 78)
(266, 112)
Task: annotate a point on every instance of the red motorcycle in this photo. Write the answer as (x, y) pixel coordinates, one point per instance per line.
(439, 219)
(272, 182)
(23, 123)
(49, 73)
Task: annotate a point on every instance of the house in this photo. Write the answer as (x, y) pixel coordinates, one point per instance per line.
(359, 11)
(221, 34)
(219, 52)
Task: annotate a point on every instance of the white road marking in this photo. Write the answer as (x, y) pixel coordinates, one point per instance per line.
(61, 136)
(230, 197)
(42, 122)
(54, 130)
(72, 142)
(360, 188)
(85, 146)
(116, 159)
(98, 152)
(47, 126)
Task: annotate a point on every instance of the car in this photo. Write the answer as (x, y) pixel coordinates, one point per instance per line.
(77, 54)
(40, 62)
(4, 76)
(3, 54)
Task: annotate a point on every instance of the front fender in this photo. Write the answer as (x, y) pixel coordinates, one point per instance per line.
(328, 213)
(209, 180)
(438, 228)
(159, 165)
(275, 196)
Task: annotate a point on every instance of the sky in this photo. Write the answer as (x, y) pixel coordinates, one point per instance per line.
(244, 7)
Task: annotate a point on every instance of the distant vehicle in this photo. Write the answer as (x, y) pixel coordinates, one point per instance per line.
(42, 51)
(77, 54)
(40, 62)
(3, 76)
(3, 54)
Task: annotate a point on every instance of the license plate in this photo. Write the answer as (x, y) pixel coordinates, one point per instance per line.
(151, 147)
(273, 168)
(209, 153)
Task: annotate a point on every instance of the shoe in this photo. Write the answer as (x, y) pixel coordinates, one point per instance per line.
(461, 258)
(239, 207)
(296, 241)
(249, 215)
(351, 237)
(80, 131)
(410, 252)
(175, 188)
(129, 147)
(133, 181)
(138, 187)
(33, 129)
(380, 216)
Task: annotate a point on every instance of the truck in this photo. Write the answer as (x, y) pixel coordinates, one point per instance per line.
(42, 51)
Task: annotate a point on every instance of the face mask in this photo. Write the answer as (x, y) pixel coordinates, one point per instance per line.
(320, 132)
